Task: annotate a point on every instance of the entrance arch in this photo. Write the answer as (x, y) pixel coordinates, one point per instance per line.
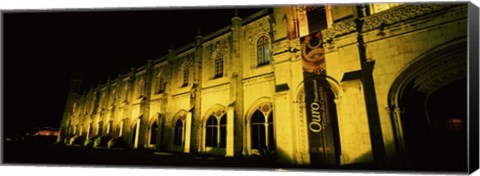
(261, 141)
(215, 130)
(316, 98)
(153, 133)
(179, 125)
(429, 103)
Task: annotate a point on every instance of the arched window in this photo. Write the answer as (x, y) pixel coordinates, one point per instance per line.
(141, 88)
(223, 131)
(216, 130)
(212, 131)
(178, 135)
(153, 133)
(261, 130)
(258, 130)
(185, 74)
(263, 51)
(160, 83)
(125, 91)
(219, 66)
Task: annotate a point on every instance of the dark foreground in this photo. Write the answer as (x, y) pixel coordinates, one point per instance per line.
(28, 153)
(55, 154)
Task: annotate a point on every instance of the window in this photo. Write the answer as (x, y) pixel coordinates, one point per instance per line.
(212, 132)
(141, 88)
(261, 130)
(218, 66)
(153, 133)
(258, 130)
(223, 131)
(216, 132)
(125, 91)
(185, 74)
(317, 18)
(178, 135)
(160, 83)
(263, 51)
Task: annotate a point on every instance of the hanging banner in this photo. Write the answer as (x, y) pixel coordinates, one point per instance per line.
(320, 107)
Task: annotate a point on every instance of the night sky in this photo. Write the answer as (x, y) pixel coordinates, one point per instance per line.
(42, 48)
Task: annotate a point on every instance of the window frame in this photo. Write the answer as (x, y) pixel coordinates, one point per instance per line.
(185, 75)
(153, 133)
(263, 51)
(219, 66)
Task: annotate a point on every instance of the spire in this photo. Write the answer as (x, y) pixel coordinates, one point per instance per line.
(235, 13)
(236, 20)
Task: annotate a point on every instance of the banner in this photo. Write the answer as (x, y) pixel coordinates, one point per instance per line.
(320, 108)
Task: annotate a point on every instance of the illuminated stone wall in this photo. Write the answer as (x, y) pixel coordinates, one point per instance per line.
(185, 84)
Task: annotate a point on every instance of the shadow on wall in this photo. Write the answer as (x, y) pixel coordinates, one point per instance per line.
(166, 138)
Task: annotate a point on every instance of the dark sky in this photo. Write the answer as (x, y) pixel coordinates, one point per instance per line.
(42, 48)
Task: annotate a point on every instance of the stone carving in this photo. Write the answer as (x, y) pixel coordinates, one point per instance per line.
(401, 13)
(389, 17)
(286, 46)
(440, 73)
(219, 48)
(257, 29)
(340, 28)
(280, 47)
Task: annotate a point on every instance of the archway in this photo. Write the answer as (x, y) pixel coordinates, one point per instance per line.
(430, 97)
(179, 138)
(153, 133)
(216, 133)
(262, 137)
(316, 98)
(179, 135)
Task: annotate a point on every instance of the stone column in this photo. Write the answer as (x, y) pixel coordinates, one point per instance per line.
(230, 131)
(188, 132)
(137, 131)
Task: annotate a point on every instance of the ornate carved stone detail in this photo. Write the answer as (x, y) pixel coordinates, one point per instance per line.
(257, 28)
(216, 88)
(285, 46)
(388, 17)
(258, 78)
(440, 73)
(280, 47)
(218, 48)
(340, 28)
(401, 13)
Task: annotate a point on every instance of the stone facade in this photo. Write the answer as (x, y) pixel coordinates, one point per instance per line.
(202, 98)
